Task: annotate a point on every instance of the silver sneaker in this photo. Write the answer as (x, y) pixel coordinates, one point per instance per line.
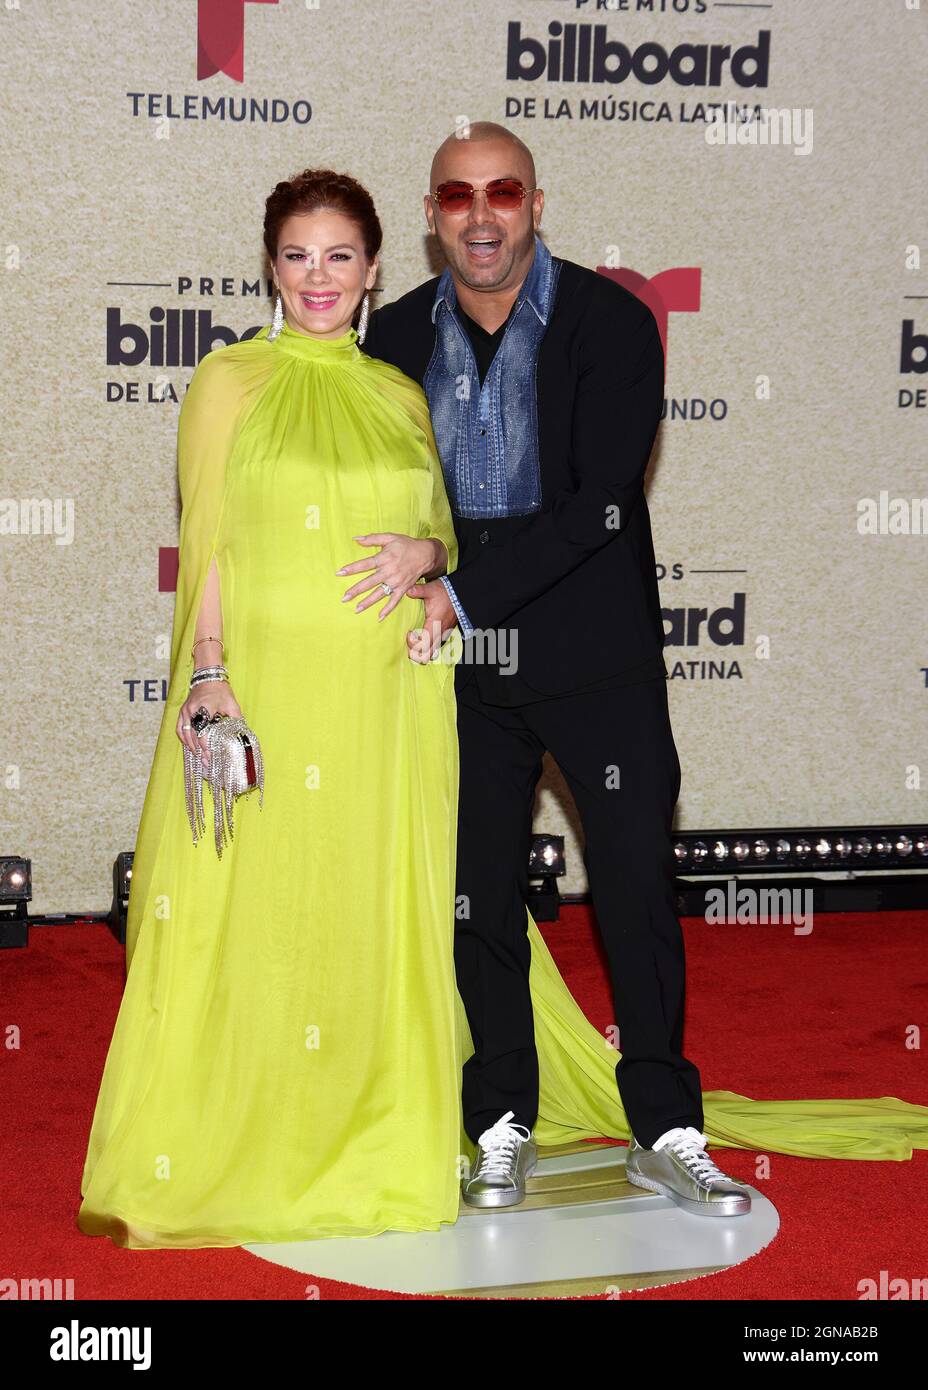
(678, 1167)
(506, 1156)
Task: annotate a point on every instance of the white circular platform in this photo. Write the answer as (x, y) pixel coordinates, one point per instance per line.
(582, 1229)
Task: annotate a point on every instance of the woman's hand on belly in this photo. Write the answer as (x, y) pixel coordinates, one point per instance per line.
(400, 563)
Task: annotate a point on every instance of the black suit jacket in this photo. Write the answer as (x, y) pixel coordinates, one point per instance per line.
(577, 578)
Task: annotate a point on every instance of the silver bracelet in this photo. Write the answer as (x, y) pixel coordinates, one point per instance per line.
(217, 673)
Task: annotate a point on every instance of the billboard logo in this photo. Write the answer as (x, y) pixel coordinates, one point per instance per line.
(724, 626)
(585, 53)
(913, 355)
(172, 337)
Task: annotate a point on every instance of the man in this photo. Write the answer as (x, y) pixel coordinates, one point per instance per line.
(545, 385)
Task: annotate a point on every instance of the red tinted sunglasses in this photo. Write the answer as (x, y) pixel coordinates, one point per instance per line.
(503, 195)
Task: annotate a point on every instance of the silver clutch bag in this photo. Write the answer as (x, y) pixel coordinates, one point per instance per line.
(235, 768)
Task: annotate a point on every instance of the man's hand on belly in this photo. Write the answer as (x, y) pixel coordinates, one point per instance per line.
(440, 619)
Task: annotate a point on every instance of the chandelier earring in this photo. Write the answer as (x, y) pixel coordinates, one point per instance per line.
(277, 322)
(365, 314)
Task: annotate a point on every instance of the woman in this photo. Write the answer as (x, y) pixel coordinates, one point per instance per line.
(286, 1063)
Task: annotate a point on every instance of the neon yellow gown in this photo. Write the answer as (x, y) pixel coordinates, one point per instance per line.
(286, 1062)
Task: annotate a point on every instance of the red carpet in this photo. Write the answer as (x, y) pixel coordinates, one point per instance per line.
(770, 1015)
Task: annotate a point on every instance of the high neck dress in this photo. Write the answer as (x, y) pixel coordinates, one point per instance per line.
(286, 1061)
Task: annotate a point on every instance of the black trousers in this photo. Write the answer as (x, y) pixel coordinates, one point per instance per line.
(630, 867)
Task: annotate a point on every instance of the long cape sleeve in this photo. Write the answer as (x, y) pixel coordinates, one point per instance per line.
(221, 390)
(217, 398)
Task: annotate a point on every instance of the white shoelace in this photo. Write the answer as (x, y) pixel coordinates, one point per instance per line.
(689, 1146)
(499, 1146)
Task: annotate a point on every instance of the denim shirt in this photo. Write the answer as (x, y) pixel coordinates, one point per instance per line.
(487, 435)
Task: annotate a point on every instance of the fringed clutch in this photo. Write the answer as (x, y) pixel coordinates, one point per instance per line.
(235, 767)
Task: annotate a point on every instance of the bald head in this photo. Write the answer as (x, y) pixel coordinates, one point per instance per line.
(515, 155)
(488, 249)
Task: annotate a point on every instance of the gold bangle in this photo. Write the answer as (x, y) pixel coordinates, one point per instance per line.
(193, 649)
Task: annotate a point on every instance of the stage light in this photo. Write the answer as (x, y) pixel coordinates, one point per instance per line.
(15, 883)
(875, 847)
(15, 895)
(546, 857)
(122, 881)
(880, 863)
(545, 866)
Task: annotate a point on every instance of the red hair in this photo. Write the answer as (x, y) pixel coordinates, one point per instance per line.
(315, 189)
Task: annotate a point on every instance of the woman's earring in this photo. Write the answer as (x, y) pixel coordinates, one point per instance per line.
(277, 322)
(365, 313)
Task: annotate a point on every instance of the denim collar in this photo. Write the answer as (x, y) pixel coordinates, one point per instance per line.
(537, 287)
(487, 435)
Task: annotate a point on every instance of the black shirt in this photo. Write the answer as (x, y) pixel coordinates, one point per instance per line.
(512, 689)
(483, 343)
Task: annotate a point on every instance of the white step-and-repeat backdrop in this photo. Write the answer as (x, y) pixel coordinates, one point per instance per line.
(781, 245)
